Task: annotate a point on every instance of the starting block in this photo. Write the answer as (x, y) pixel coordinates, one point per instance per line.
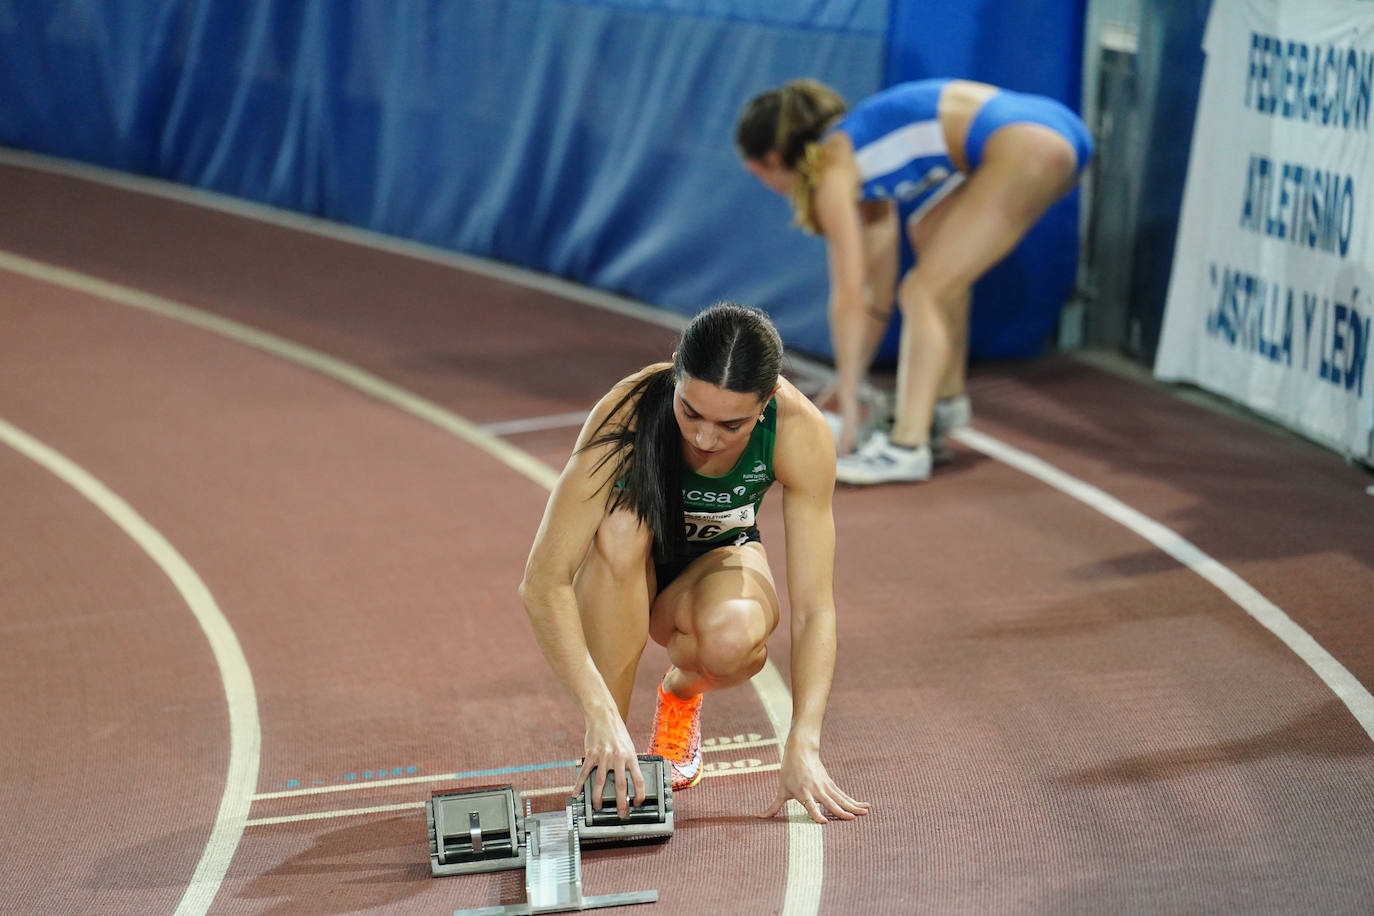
(485, 829)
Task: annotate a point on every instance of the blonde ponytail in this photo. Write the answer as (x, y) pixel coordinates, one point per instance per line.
(807, 108)
(803, 196)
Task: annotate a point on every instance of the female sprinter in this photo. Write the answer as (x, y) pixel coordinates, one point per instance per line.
(650, 532)
(948, 174)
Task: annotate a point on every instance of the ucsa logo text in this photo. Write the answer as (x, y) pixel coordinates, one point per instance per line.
(706, 496)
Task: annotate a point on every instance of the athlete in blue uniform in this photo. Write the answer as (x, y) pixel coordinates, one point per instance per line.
(933, 181)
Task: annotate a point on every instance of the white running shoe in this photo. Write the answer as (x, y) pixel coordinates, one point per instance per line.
(950, 413)
(879, 461)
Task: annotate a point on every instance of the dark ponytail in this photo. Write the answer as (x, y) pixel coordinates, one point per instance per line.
(646, 454)
(732, 346)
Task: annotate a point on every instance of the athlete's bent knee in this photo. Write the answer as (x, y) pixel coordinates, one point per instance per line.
(921, 294)
(730, 639)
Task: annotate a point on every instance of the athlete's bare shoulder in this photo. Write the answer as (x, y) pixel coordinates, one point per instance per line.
(793, 404)
(836, 146)
(805, 447)
(836, 162)
(626, 386)
(618, 404)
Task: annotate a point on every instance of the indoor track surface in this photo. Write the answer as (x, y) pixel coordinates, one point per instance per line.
(266, 493)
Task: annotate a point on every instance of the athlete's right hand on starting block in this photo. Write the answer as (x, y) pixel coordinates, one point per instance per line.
(609, 752)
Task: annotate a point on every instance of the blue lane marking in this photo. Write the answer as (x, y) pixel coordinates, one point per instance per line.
(383, 773)
(529, 768)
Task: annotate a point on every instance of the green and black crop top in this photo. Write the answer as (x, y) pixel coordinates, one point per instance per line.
(716, 510)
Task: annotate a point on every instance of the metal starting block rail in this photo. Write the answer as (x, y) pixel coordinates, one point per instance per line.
(489, 829)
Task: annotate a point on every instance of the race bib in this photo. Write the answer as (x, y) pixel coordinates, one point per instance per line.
(706, 526)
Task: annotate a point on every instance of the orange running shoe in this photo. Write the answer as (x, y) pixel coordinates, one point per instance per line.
(677, 737)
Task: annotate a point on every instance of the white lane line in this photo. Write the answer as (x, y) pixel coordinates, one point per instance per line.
(343, 812)
(739, 768)
(336, 369)
(706, 748)
(1332, 673)
(354, 786)
(364, 784)
(245, 737)
(805, 843)
(535, 424)
(767, 683)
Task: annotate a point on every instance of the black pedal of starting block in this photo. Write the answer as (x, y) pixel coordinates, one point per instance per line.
(475, 830)
(648, 821)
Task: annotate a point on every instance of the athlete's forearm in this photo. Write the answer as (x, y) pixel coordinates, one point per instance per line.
(557, 625)
(855, 333)
(813, 667)
(847, 340)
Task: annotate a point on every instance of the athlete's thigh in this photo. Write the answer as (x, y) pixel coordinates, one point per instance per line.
(615, 584)
(1038, 165)
(717, 576)
(982, 223)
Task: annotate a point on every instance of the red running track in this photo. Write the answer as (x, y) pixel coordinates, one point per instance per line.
(1049, 713)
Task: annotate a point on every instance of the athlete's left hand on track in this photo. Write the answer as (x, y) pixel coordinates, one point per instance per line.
(804, 778)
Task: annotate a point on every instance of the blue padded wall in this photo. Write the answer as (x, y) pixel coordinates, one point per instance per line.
(1029, 47)
(591, 140)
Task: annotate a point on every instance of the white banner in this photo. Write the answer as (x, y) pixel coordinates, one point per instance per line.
(1272, 289)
